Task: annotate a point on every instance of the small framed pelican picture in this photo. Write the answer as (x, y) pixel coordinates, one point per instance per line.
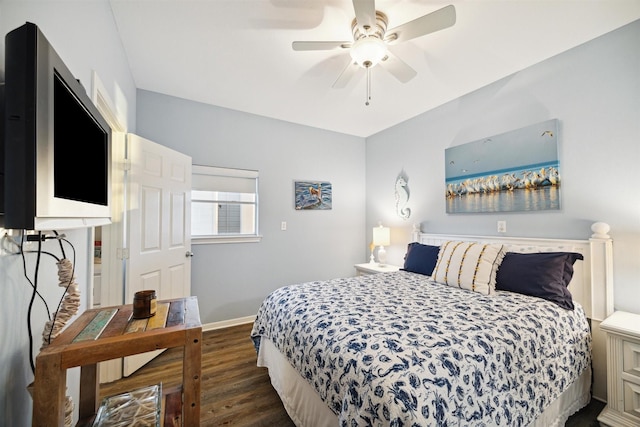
(514, 171)
(312, 195)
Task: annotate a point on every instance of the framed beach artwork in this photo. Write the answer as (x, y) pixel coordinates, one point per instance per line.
(313, 195)
(514, 171)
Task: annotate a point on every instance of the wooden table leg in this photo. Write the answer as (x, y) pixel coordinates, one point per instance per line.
(49, 389)
(191, 376)
(89, 391)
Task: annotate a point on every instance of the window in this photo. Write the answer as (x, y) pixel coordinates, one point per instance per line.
(224, 205)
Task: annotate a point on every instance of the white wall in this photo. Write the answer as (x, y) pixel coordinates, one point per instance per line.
(594, 91)
(231, 280)
(84, 35)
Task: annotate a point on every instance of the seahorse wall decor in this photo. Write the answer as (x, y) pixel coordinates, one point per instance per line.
(402, 195)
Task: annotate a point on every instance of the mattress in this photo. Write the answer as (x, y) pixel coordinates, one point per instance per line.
(399, 349)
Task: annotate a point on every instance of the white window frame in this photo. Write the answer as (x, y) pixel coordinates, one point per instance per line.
(204, 178)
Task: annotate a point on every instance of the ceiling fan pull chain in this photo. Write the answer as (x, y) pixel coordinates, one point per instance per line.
(368, 86)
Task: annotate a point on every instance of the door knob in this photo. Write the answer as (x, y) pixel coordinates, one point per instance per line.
(188, 254)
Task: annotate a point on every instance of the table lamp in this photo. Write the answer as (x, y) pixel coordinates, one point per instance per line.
(381, 238)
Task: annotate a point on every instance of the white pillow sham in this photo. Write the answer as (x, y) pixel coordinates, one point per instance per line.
(469, 265)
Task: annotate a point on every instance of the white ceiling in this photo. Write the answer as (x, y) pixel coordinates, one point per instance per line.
(237, 53)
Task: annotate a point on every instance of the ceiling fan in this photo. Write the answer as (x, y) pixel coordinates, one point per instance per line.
(371, 40)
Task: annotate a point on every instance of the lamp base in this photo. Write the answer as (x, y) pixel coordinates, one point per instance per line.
(382, 256)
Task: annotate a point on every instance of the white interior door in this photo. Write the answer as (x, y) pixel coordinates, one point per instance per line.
(158, 224)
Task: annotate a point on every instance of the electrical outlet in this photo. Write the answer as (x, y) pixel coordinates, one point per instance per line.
(283, 225)
(502, 226)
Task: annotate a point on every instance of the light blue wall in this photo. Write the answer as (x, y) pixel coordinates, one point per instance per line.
(230, 280)
(84, 35)
(594, 91)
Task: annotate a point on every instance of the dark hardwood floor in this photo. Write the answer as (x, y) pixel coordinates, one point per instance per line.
(235, 391)
(587, 417)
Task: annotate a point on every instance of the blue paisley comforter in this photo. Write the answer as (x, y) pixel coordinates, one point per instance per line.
(398, 349)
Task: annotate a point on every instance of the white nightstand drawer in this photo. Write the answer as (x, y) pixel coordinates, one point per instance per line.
(631, 358)
(631, 392)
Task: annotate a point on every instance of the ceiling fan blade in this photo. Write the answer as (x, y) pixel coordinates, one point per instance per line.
(398, 68)
(345, 76)
(314, 45)
(429, 23)
(365, 14)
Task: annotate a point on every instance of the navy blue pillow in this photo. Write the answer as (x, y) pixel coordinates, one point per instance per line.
(421, 258)
(543, 275)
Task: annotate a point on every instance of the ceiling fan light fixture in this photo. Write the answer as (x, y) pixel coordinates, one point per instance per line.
(368, 51)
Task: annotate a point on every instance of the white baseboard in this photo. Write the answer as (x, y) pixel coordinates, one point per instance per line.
(228, 323)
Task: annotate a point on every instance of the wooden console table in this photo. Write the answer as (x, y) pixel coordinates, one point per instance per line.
(117, 336)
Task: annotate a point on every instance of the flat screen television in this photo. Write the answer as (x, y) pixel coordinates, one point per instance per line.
(57, 146)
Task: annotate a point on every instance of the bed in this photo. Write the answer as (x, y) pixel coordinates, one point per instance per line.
(451, 339)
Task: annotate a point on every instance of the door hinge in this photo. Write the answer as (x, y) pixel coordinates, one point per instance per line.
(122, 253)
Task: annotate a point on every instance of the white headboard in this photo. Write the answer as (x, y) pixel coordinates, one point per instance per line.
(592, 283)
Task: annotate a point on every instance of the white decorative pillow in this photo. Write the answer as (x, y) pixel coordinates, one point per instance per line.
(469, 265)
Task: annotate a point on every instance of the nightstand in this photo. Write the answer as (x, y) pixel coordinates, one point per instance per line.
(374, 268)
(623, 370)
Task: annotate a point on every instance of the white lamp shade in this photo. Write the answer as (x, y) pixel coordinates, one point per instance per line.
(368, 51)
(381, 236)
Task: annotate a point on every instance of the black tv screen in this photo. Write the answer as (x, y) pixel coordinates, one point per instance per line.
(79, 149)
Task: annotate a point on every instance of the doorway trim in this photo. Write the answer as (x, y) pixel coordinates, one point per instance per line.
(112, 267)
